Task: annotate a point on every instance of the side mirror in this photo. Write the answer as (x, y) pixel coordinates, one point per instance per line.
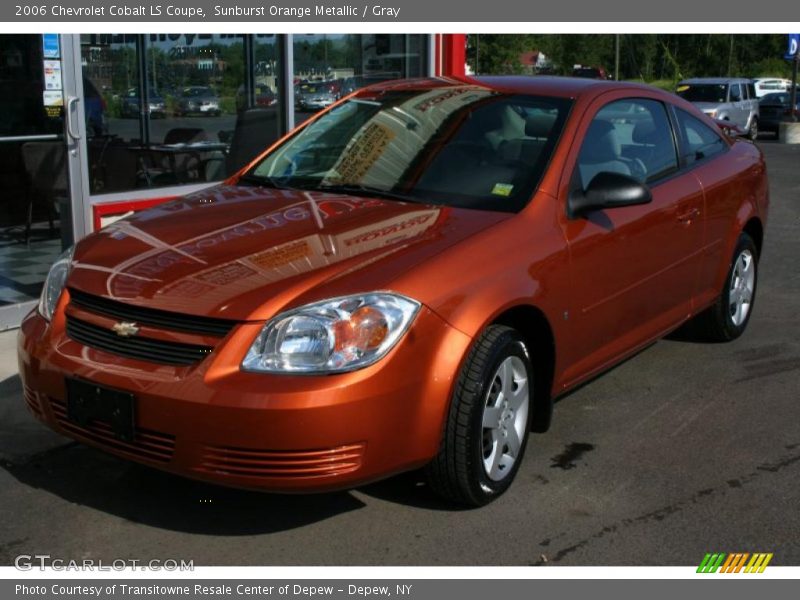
(608, 190)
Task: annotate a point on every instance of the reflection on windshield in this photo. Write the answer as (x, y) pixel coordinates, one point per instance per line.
(463, 145)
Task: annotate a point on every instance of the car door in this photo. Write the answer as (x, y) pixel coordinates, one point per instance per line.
(703, 147)
(752, 101)
(633, 269)
(738, 111)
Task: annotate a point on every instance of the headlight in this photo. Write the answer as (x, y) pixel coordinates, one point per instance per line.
(334, 336)
(54, 284)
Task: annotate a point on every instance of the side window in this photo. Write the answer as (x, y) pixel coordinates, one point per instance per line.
(751, 91)
(735, 93)
(699, 140)
(632, 137)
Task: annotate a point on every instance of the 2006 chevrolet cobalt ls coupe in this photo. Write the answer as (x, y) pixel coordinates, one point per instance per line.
(407, 280)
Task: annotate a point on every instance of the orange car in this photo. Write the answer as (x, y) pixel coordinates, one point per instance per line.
(407, 280)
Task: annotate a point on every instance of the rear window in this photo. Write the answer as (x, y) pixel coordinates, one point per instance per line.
(775, 98)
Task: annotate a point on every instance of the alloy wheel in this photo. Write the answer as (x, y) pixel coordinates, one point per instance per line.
(505, 415)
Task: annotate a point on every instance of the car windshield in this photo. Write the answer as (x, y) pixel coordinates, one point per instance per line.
(715, 93)
(197, 91)
(463, 146)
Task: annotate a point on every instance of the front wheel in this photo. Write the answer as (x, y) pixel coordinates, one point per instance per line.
(727, 319)
(488, 422)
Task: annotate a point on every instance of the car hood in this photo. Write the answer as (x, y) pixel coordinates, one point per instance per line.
(245, 253)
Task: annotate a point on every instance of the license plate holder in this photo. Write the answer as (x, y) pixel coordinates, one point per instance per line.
(87, 402)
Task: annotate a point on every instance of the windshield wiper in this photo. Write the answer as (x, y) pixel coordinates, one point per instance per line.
(353, 189)
(262, 181)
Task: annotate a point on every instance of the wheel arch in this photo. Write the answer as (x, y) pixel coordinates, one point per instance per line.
(534, 326)
(755, 229)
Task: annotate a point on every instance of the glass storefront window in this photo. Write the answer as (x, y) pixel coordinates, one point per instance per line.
(110, 66)
(35, 205)
(212, 101)
(329, 66)
(194, 83)
(191, 127)
(258, 121)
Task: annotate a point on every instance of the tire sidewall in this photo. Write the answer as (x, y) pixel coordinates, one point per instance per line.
(733, 331)
(510, 344)
(753, 133)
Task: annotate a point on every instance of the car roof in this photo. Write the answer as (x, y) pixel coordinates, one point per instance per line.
(545, 85)
(716, 80)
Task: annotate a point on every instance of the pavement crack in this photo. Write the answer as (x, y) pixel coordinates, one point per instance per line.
(663, 512)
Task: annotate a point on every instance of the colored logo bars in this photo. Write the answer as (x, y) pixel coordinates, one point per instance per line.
(734, 562)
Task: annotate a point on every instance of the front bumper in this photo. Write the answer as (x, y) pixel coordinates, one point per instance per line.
(213, 422)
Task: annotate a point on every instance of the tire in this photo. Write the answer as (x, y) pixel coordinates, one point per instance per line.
(727, 319)
(476, 463)
(752, 132)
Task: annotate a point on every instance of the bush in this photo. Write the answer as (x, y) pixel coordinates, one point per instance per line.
(667, 85)
(770, 67)
(113, 106)
(227, 104)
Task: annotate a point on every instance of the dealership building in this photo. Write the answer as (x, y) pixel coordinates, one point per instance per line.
(96, 126)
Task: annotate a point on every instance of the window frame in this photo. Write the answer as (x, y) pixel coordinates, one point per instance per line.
(683, 143)
(575, 178)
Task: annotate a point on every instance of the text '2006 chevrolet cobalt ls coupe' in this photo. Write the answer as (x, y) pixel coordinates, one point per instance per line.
(407, 280)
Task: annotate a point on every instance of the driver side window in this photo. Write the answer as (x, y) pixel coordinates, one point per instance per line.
(632, 137)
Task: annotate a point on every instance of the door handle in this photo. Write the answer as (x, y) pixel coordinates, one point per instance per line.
(689, 216)
(70, 122)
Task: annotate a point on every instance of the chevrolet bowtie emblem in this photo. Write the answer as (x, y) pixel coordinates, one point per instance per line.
(125, 329)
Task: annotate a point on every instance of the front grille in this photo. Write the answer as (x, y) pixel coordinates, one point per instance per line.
(147, 445)
(140, 348)
(294, 464)
(150, 316)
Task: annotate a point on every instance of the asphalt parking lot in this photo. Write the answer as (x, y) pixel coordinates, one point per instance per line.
(685, 449)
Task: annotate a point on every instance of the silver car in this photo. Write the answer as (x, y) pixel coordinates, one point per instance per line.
(313, 96)
(724, 98)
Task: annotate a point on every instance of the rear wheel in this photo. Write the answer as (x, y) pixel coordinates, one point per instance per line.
(728, 317)
(752, 133)
(487, 426)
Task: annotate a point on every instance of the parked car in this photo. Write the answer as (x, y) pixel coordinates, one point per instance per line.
(776, 107)
(374, 296)
(262, 95)
(129, 107)
(334, 86)
(591, 72)
(725, 99)
(198, 100)
(313, 96)
(764, 86)
(351, 84)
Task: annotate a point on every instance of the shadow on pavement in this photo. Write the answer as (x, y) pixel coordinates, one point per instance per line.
(90, 478)
(41, 459)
